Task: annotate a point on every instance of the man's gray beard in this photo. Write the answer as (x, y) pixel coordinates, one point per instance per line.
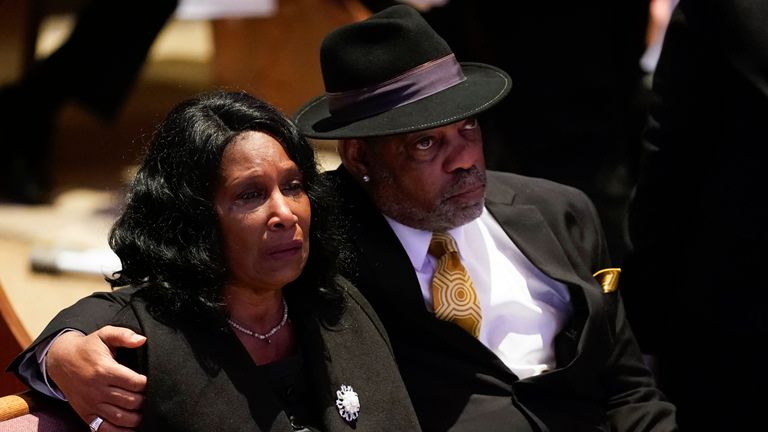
(443, 217)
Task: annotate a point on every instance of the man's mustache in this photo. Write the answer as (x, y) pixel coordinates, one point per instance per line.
(465, 180)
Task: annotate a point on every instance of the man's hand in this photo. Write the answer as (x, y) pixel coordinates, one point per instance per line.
(84, 369)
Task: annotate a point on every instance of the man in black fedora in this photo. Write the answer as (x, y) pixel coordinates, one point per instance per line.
(553, 350)
(495, 289)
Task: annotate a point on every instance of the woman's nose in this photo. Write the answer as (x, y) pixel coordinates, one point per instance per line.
(281, 215)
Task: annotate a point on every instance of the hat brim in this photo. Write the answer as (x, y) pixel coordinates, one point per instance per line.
(484, 87)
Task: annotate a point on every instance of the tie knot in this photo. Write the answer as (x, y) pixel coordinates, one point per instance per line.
(441, 244)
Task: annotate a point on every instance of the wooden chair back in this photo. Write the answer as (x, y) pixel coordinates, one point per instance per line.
(32, 412)
(13, 339)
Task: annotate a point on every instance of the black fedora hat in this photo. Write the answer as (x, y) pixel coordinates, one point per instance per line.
(392, 73)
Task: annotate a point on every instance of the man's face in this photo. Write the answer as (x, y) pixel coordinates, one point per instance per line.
(433, 179)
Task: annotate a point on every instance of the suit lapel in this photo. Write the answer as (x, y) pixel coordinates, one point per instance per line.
(528, 229)
(344, 354)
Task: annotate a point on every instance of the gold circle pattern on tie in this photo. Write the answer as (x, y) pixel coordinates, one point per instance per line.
(453, 295)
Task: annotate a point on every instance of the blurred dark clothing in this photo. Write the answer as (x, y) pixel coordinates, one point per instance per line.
(100, 61)
(577, 107)
(96, 67)
(694, 290)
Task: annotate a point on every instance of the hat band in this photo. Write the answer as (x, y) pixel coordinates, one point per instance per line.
(417, 83)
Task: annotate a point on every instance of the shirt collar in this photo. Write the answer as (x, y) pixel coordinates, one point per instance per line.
(416, 241)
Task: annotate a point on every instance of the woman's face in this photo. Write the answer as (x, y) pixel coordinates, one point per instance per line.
(264, 213)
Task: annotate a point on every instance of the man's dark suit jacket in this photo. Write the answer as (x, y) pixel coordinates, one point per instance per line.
(455, 382)
(204, 380)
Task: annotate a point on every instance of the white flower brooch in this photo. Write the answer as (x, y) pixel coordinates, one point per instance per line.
(347, 403)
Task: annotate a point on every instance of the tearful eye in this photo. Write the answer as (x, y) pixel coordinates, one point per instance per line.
(294, 188)
(249, 195)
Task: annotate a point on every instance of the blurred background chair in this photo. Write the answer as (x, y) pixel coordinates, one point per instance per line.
(13, 338)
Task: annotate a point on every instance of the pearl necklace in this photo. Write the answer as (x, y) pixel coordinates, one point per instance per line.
(266, 336)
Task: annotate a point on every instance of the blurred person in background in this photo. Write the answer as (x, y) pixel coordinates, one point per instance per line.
(96, 67)
(693, 287)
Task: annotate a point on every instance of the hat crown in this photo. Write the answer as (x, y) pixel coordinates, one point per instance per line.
(378, 49)
(392, 74)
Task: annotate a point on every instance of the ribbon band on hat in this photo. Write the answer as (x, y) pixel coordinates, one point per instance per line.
(417, 83)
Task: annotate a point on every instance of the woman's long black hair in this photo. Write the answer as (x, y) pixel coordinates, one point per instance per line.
(168, 237)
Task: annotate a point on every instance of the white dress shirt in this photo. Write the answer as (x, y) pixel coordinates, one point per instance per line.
(522, 308)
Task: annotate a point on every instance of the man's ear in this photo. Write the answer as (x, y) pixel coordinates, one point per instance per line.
(354, 156)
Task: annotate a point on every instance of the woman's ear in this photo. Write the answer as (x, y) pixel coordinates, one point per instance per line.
(353, 153)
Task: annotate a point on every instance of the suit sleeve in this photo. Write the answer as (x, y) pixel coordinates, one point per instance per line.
(87, 315)
(633, 401)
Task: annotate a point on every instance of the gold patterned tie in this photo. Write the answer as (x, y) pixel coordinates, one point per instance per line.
(453, 295)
